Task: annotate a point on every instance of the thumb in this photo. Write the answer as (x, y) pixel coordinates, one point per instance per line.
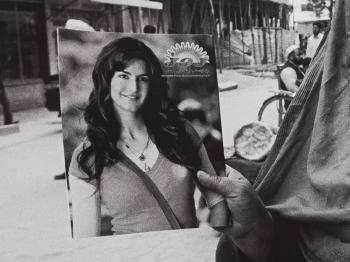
(213, 183)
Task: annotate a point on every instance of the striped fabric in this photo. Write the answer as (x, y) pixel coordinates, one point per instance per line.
(305, 180)
(266, 182)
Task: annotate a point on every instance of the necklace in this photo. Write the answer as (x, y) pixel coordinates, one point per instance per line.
(140, 155)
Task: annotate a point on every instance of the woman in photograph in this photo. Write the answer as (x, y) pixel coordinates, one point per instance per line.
(129, 116)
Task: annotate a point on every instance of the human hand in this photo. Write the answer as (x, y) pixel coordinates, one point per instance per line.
(252, 225)
(241, 198)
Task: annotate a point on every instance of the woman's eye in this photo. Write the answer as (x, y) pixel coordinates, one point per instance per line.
(144, 78)
(123, 76)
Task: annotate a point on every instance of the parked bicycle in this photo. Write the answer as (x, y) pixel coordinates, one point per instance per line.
(274, 108)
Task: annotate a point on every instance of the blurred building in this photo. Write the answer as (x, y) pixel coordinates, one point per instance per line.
(28, 29)
(307, 12)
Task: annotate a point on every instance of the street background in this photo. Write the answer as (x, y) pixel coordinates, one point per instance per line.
(34, 206)
(250, 34)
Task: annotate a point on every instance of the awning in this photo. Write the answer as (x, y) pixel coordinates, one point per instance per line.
(281, 2)
(137, 3)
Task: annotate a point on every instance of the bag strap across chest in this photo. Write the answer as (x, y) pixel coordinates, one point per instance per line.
(153, 189)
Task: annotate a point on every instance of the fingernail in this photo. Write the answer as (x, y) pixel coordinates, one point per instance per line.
(200, 174)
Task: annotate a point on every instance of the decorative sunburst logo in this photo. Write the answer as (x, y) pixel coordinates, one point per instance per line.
(185, 55)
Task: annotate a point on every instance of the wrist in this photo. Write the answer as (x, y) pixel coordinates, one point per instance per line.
(254, 239)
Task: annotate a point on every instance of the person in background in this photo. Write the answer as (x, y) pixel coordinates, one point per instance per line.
(149, 29)
(314, 40)
(292, 72)
(8, 119)
(76, 24)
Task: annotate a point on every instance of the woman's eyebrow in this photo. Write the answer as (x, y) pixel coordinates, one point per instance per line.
(129, 73)
(125, 72)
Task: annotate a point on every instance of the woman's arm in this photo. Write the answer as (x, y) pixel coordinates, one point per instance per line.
(86, 208)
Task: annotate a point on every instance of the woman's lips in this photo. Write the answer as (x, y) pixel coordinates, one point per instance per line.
(131, 97)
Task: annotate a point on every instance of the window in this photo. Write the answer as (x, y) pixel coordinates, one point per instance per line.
(22, 44)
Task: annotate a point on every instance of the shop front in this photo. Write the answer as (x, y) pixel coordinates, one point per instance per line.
(23, 51)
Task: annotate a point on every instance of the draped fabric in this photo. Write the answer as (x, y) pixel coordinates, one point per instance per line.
(306, 178)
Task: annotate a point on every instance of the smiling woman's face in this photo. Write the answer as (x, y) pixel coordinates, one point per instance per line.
(129, 88)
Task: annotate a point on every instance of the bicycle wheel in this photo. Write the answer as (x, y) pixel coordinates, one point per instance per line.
(273, 109)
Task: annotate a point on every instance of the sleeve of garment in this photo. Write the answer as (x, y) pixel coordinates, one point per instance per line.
(289, 78)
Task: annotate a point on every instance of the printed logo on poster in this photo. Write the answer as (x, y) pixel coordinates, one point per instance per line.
(186, 59)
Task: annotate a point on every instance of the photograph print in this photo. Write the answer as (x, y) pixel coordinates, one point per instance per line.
(141, 117)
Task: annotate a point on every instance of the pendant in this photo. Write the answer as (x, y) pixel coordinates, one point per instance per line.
(147, 168)
(142, 157)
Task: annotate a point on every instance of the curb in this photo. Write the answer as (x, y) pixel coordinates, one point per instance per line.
(29, 132)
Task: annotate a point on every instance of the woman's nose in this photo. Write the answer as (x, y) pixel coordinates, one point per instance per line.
(133, 85)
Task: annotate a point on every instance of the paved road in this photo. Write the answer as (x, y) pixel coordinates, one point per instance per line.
(32, 203)
(241, 105)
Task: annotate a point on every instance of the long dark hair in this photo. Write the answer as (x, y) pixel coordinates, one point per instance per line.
(162, 119)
